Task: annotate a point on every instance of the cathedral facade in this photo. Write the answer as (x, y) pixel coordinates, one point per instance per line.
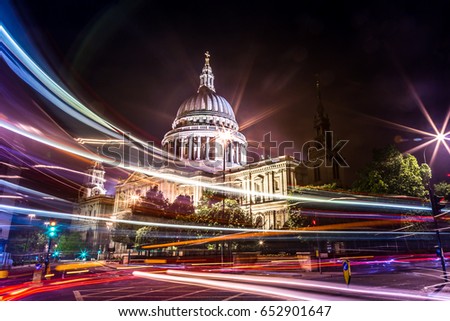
(206, 147)
(206, 141)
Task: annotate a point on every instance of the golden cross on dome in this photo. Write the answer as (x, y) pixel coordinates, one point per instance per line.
(207, 55)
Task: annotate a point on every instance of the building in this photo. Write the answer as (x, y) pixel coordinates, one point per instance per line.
(206, 146)
(93, 202)
(322, 164)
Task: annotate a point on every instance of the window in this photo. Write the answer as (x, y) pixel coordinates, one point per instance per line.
(276, 184)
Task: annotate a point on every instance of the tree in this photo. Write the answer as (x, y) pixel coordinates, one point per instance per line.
(124, 233)
(154, 198)
(391, 172)
(26, 242)
(211, 211)
(442, 189)
(70, 243)
(296, 219)
(146, 235)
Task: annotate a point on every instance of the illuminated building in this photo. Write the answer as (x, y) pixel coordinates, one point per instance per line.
(199, 151)
(94, 202)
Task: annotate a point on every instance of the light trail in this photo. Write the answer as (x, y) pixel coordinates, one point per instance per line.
(248, 288)
(355, 290)
(28, 289)
(19, 62)
(254, 233)
(41, 82)
(29, 191)
(188, 181)
(315, 230)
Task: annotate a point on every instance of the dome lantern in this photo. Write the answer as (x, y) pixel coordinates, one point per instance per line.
(199, 120)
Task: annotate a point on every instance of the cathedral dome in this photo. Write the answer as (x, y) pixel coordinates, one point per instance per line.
(205, 128)
(206, 107)
(206, 102)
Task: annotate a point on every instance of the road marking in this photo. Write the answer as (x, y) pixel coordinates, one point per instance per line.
(143, 293)
(77, 295)
(187, 294)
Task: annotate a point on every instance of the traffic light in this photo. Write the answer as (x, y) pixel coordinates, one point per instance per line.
(436, 204)
(52, 230)
(83, 255)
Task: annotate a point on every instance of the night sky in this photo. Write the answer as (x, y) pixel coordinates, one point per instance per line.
(135, 62)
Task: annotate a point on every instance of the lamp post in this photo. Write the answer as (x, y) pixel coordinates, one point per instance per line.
(435, 214)
(51, 233)
(440, 251)
(225, 136)
(30, 217)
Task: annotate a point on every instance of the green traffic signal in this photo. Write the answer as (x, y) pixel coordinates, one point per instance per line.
(52, 230)
(83, 255)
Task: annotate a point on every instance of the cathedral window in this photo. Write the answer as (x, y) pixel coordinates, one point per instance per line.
(277, 184)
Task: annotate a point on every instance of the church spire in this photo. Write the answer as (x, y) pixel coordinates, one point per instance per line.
(207, 77)
(319, 97)
(94, 184)
(321, 120)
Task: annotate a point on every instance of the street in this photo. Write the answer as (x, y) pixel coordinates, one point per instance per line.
(173, 283)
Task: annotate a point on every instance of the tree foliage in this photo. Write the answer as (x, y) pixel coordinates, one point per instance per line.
(391, 172)
(27, 242)
(124, 233)
(146, 235)
(70, 243)
(154, 198)
(442, 189)
(296, 219)
(215, 209)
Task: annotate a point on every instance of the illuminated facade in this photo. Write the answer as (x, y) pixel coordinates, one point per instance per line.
(95, 203)
(206, 146)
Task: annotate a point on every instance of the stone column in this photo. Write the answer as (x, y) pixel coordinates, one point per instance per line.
(207, 148)
(175, 150)
(269, 185)
(182, 149)
(199, 146)
(190, 146)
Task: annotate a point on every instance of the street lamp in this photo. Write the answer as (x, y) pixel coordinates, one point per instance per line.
(52, 232)
(31, 217)
(225, 137)
(439, 138)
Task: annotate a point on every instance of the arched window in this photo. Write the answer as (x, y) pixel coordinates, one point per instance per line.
(259, 222)
(259, 188)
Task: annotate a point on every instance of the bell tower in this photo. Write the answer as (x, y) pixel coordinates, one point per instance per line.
(94, 184)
